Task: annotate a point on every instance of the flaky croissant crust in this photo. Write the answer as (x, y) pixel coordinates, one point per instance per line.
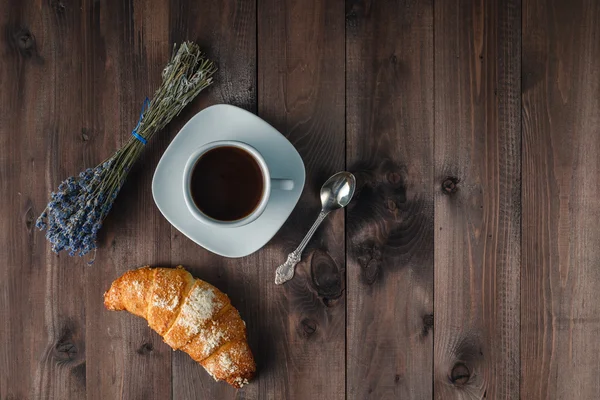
(191, 315)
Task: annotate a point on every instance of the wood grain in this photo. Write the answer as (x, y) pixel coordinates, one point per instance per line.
(472, 214)
(127, 45)
(226, 30)
(301, 93)
(561, 186)
(477, 212)
(22, 72)
(45, 355)
(389, 123)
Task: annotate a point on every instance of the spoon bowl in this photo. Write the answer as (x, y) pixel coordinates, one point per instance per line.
(337, 191)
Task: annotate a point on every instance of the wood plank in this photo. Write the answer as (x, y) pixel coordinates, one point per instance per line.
(226, 30)
(477, 213)
(34, 355)
(301, 93)
(44, 354)
(126, 46)
(560, 351)
(389, 122)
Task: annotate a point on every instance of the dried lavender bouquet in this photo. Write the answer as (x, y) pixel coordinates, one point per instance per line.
(76, 210)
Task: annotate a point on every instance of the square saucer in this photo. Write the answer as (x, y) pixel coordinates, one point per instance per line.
(226, 122)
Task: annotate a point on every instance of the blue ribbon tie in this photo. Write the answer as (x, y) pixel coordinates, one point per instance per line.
(134, 132)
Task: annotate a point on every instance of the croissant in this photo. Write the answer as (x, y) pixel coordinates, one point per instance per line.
(191, 315)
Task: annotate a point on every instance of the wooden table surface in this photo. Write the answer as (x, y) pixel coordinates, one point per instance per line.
(467, 267)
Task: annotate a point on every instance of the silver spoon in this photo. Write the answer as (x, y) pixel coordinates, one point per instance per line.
(335, 193)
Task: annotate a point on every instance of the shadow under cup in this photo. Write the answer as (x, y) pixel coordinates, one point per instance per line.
(228, 184)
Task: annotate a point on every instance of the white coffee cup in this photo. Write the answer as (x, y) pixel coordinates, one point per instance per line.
(269, 184)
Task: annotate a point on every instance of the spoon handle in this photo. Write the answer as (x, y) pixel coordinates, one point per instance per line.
(285, 271)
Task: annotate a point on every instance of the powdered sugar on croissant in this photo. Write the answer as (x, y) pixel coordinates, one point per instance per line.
(190, 315)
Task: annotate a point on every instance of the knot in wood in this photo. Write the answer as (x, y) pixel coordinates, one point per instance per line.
(25, 39)
(370, 262)
(353, 9)
(325, 275)
(145, 348)
(391, 205)
(460, 374)
(29, 219)
(58, 6)
(308, 326)
(371, 271)
(330, 302)
(427, 324)
(65, 351)
(394, 177)
(450, 185)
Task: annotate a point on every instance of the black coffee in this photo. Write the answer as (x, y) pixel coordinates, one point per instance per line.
(226, 183)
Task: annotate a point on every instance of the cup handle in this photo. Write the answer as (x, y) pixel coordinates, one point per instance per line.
(282, 184)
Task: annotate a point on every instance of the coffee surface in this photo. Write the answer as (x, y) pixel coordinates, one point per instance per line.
(226, 183)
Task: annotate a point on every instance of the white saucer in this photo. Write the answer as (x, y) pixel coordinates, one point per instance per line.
(226, 122)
